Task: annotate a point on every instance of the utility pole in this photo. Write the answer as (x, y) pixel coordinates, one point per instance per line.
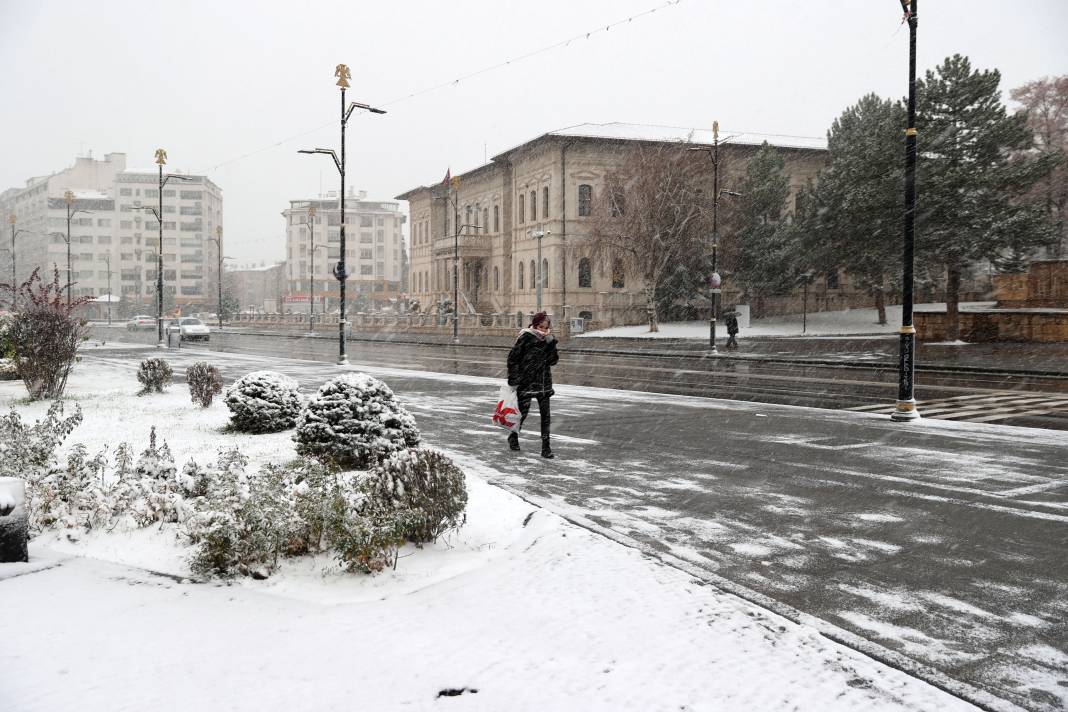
(68, 196)
(340, 274)
(454, 198)
(161, 160)
(311, 270)
(905, 408)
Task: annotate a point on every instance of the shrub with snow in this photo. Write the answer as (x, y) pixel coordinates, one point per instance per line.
(428, 484)
(264, 402)
(354, 421)
(204, 383)
(154, 374)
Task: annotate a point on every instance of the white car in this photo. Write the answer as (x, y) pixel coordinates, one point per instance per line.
(190, 329)
(141, 322)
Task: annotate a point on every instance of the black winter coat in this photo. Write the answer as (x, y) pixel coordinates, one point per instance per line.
(529, 364)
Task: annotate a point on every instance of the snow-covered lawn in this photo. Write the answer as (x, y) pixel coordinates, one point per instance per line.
(532, 612)
(850, 322)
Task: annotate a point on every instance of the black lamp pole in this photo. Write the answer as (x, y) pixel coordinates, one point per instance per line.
(343, 75)
(906, 402)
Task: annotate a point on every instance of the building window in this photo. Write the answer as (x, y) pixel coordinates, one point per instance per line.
(585, 274)
(496, 218)
(533, 276)
(545, 203)
(832, 279)
(533, 205)
(485, 218)
(618, 275)
(545, 272)
(467, 215)
(496, 280)
(522, 211)
(519, 276)
(585, 199)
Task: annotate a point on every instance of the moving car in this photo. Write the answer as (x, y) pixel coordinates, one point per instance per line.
(141, 322)
(190, 329)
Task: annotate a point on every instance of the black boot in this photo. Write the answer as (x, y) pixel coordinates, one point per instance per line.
(546, 452)
(513, 441)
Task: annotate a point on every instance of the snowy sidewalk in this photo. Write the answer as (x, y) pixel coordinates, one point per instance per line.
(530, 611)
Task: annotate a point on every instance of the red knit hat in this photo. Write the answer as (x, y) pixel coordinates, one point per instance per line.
(538, 319)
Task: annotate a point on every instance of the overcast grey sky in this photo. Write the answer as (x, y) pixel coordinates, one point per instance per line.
(212, 81)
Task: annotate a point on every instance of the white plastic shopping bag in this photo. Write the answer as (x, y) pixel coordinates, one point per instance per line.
(507, 413)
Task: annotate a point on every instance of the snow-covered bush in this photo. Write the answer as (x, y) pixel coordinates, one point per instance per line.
(264, 402)
(154, 374)
(8, 369)
(204, 382)
(30, 452)
(427, 484)
(354, 421)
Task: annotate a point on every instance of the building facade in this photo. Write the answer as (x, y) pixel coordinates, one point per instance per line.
(114, 238)
(491, 216)
(374, 246)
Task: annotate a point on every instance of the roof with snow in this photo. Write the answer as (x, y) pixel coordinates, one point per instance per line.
(652, 132)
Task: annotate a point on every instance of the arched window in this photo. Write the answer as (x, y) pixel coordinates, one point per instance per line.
(617, 274)
(545, 203)
(496, 218)
(521, 212)
(519, 276)
(545, 273)
(496, 280)
(585, 199)
(533, 205)
(585, 273)
(467, 215)
(533, 278)
(485, 219)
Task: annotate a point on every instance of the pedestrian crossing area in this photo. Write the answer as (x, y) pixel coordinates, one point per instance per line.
(988, 407)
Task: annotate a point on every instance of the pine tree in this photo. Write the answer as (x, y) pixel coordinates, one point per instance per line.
(759, 245)
(972, 168)
(854, 214)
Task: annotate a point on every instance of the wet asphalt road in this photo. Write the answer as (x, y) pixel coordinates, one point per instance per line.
(941, 541)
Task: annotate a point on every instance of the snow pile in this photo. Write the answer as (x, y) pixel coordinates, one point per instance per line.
(354, 421)
(264, 402)
(154, 374)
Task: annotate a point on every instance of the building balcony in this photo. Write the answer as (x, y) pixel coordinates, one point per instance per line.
(470, 246)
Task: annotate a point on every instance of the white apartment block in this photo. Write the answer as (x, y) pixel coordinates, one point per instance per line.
(373, 245)
(114, 243)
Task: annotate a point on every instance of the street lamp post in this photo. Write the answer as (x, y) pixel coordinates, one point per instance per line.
(454, 198)
(343, 75)
(539, 235)
(905, 408)
(715, 283)
(161, 160)
(68, 196)
(218, 248)
(14, 287)
(311, 270)
(107, 261)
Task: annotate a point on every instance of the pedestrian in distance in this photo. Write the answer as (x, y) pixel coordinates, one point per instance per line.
(732, 330)
(529, 371)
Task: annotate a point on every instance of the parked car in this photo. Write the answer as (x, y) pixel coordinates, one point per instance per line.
(190, 329)
(141, 322)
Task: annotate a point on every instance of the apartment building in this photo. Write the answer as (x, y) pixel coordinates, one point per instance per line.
(374, 246)
(114, 236)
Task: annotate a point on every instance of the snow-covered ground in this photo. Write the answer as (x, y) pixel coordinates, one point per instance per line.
(532, 612)
(850, 322)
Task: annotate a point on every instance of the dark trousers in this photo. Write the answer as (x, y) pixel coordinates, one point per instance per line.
(732, 342)
(543, 408)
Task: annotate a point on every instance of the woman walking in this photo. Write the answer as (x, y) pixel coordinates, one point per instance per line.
(529, 364)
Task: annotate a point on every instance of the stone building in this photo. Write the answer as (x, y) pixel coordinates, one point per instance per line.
(373, 242)
(547, 185)
(114, 242)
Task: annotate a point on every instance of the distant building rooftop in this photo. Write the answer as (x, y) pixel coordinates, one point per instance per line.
(652, 132)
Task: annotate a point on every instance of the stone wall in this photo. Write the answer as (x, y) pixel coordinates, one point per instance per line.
(1032, 325)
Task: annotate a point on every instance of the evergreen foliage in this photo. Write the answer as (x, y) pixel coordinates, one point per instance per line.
(264, 402)
(354, 421)
(427, 483)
